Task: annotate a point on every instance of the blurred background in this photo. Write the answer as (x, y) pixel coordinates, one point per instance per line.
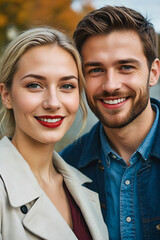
(19, 15)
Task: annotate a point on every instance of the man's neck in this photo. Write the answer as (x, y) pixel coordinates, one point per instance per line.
(124, 141)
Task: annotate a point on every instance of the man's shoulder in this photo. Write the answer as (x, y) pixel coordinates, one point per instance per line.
(82, 146)
(156, 102)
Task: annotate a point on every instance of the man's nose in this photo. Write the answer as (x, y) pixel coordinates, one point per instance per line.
(111, 82)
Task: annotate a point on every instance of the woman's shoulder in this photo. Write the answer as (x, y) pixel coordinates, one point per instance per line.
(3, 193)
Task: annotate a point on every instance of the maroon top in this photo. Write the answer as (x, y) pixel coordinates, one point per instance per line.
(80, 227)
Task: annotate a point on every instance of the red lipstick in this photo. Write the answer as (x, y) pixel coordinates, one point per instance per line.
(50, 121)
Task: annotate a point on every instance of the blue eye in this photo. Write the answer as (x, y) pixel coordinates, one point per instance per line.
(33, 85)
(127, 67)
(67, 86)
(96, 70)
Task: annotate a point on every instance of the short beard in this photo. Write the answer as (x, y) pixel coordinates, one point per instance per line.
(136, 110)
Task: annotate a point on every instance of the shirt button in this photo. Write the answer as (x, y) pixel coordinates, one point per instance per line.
(24, 209)
(103, 205)
(100, 165)
(114, 156)
(127, 182)
(158, 227)
(128, 219)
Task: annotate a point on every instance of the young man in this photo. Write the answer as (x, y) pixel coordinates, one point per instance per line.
(121, 154)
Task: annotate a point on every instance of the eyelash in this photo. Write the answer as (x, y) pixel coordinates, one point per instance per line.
(68, 85)
(98, 70)
(35, 86)
(95, 70)
(127, 67)
(32, 85)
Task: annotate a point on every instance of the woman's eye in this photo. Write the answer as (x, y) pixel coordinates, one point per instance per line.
(33, 85)
(67, 86)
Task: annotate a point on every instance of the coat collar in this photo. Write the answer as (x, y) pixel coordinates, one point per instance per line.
(13, 166)
(43, 219)
(13, 169)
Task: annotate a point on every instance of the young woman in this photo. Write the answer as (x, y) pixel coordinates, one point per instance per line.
(41, 196)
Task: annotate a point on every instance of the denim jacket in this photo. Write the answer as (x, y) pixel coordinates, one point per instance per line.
(84, 154)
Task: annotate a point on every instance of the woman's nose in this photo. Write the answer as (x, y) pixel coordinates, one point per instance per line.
(52, 101)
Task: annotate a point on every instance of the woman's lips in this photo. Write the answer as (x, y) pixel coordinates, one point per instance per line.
(50, 121)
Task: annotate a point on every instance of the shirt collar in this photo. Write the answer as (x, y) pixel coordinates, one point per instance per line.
(97, 142)
(105, 144)
(145, 148)
(91, 151)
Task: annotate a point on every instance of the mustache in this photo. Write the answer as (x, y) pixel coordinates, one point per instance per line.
(117, 94)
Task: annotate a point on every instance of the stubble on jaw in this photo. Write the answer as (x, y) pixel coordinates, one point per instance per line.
(112, 121)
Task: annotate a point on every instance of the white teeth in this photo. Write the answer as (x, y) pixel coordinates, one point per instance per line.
(114, 101)
(49, 120)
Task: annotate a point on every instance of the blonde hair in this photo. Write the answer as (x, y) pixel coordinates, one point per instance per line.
(37, 36)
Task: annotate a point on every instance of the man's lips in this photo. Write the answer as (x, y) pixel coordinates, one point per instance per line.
(50, 121)
(113, 103)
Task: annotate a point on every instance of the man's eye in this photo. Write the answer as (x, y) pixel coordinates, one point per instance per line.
(127, 67)
(33, 85)
(96, 70)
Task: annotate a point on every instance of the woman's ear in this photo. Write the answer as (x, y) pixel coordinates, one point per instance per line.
(154, 72)
(5, 95)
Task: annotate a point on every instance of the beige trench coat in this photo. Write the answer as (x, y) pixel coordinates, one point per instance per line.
(25, 210)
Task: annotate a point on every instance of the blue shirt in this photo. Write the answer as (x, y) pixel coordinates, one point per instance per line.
(121, 187)
(86, 154)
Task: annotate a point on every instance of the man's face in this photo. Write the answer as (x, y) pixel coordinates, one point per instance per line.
(117, 77)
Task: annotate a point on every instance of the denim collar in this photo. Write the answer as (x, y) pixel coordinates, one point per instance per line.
(146, 146)
(144, 149)
(92, 151)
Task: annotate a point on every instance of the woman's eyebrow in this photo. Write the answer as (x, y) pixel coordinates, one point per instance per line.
(34, 76)
(65, 78)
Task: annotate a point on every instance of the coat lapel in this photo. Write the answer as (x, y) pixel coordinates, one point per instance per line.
(86, 199)
(44, 221)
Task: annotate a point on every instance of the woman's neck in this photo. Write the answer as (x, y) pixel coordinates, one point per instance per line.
(37, 155)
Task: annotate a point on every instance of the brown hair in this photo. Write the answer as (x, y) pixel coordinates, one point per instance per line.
(110, 18)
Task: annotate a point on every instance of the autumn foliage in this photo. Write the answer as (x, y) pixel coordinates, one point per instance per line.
(17, 15)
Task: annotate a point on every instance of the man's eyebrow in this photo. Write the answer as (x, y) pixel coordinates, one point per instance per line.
(128, 60)
(121, 61)
(34, 76)
(92, 64)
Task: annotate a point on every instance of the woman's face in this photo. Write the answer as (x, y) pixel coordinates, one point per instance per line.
(44, 94)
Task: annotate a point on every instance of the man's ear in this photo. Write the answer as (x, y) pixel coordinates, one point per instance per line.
(154, 72)
(5, 95)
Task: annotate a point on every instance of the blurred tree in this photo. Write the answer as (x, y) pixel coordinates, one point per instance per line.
(59, 14)
(18, 15)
